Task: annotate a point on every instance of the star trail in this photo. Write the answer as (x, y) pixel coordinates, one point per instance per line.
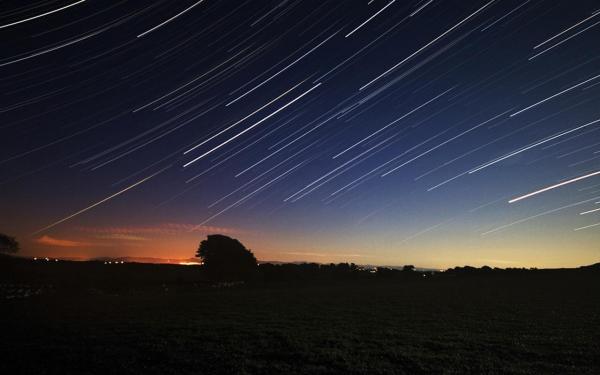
(428, 132)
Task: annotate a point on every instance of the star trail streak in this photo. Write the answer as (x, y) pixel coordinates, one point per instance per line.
(41, 15)
(243, 119)
(170, 19)
(546, 140)
(555, 95)
(253, 125)
(369, 19)
(98, 203)
(425, 46)
(554, 186)
(390, 124)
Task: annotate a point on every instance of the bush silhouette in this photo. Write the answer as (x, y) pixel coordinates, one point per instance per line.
(225, 258)
(8, 245)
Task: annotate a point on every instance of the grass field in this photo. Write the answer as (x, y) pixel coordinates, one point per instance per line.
(542, 323)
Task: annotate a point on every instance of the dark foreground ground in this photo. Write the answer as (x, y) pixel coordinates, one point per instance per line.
(534, 323)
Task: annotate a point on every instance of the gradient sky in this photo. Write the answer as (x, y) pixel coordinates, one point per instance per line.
(374, 132)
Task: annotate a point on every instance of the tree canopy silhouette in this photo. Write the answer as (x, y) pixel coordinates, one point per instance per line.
(225, 258)
(8, 245)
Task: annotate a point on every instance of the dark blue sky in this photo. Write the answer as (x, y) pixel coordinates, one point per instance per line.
(383, 132)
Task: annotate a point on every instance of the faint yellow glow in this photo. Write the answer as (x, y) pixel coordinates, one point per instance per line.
(190, 263)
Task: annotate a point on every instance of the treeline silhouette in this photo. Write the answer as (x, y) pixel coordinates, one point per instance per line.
(77, 275)
(90, 274)
(226, 261)
(331, 271)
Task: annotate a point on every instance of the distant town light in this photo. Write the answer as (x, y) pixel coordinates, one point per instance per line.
(190, 263)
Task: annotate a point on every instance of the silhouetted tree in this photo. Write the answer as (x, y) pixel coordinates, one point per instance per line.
(8, 245)
(342, 268)
(408, 268)
(225, 258)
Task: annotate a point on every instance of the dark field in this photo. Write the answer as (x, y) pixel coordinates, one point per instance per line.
(542, 322)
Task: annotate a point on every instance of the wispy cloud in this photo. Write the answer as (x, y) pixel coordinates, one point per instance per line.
(498, 261)
(60, 242)
(158, 229)
(121, 237)
(330, 255)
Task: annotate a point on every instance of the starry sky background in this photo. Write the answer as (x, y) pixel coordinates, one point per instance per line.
(374, 132)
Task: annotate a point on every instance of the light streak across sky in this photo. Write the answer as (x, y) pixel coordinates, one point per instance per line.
(551, 187)
(98, 203)
(41, 15)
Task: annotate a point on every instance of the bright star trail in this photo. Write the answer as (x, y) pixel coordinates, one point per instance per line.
(408, 132)
(97, 203)
(554, 187)
(41, 15)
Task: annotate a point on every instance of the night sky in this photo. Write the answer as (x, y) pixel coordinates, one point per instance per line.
(435, 133)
